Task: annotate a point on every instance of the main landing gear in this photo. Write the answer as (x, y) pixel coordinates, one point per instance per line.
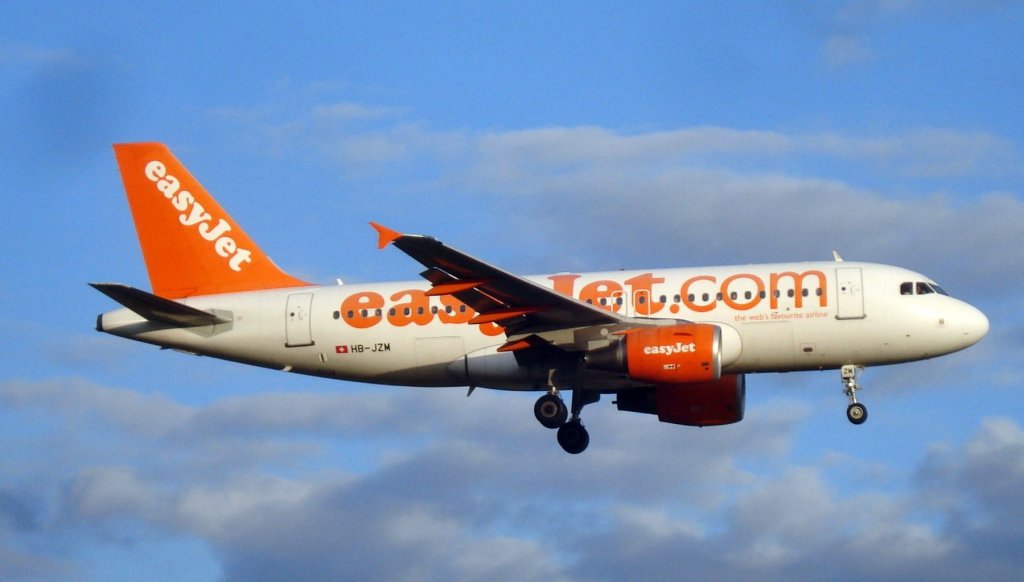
(856, 412)
(552, 413)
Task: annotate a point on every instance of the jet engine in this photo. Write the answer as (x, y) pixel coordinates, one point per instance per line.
(673, 354)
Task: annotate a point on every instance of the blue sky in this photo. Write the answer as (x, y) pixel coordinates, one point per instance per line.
(581, 136)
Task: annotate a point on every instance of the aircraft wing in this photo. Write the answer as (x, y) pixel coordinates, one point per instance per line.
(521, 306)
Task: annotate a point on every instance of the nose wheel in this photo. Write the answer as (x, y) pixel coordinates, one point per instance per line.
(856, 412)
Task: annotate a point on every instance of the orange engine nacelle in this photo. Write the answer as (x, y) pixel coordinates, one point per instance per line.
(699, 404)
(675, 354)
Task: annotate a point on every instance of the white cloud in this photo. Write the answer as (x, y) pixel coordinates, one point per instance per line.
(939, 200)
(100, 493)
(137, 413)
(393, 483)
(847, 27)
(484, 493)
(16, 564)
(673, 203)
(349, 112)
(20, 54)
(844, 50)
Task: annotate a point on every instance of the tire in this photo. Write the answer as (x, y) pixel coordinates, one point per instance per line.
(550, 411)
(856, 413)
(573, 437)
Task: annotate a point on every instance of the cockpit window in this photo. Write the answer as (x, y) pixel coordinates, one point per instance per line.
(920, 288)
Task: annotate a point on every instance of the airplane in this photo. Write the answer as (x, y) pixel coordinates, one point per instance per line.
(676, 343)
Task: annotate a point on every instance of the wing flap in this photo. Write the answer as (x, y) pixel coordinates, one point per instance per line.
(453, 287)
(528, 342)
(499, 315)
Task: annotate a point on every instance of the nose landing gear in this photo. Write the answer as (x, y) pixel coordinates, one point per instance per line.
(856, 412)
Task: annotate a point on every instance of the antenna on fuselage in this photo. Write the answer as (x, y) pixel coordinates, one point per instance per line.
(835, 255)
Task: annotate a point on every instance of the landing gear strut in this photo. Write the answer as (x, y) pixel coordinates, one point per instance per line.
(856, 412)
(551, 412)
(573, 436)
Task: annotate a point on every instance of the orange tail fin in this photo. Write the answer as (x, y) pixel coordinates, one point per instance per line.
(190, 244)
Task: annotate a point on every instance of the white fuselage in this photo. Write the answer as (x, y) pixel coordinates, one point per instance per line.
(774, 317)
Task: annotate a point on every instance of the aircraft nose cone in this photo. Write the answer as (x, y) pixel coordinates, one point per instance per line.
(975, 324)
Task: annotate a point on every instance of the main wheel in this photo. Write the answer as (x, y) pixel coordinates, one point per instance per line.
(573, 437)
(550, 411)
(856, 413)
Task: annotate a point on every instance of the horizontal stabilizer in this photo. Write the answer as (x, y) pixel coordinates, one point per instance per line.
(155, 308)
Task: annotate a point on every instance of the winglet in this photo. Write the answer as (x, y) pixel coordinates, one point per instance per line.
(385, 235)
